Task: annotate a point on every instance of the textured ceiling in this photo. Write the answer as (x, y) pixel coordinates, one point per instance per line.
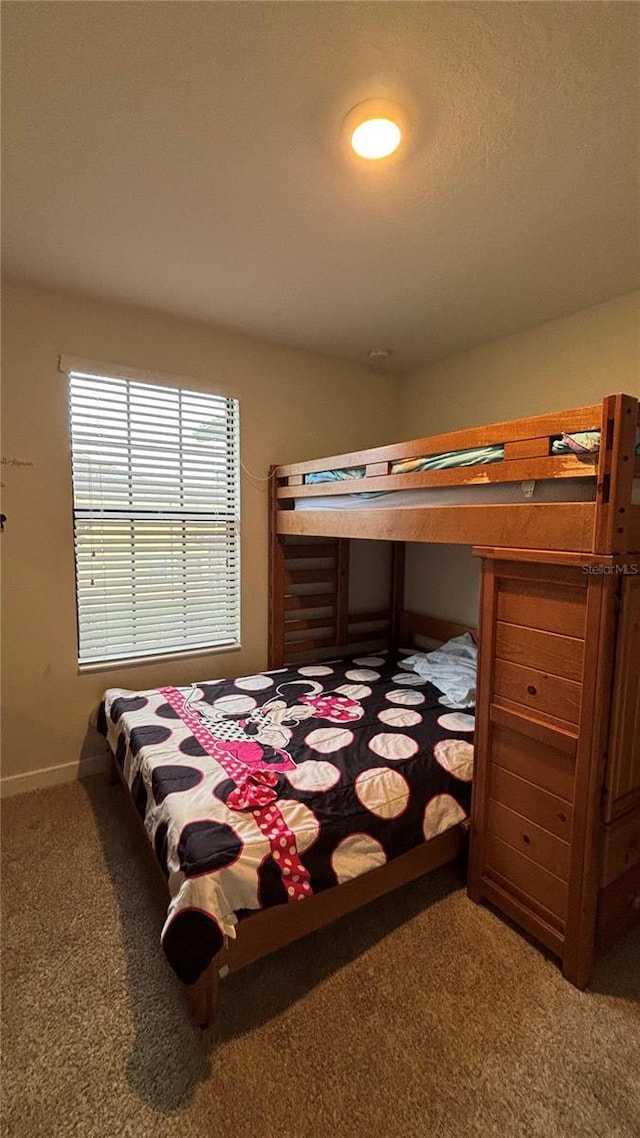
(188, 157)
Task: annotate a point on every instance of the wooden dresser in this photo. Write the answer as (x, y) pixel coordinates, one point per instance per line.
(555, 838)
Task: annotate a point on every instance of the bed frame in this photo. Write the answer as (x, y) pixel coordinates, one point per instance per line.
(267, 930)
(608, 525)
(566, 734)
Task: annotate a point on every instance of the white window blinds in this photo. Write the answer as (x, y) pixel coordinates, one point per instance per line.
(156, 518)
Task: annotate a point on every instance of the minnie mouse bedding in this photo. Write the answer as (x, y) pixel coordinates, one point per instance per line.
(269, 788)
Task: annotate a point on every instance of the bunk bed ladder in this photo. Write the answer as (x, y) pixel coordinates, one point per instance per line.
(309, 617)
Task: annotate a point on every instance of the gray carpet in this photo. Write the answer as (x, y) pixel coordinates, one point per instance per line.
(421, 1015)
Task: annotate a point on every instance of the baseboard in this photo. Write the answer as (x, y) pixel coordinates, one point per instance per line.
(51, 776)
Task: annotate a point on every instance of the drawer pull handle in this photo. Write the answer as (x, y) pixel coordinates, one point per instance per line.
(562, 817)
(532, 689)
(635, 902)
(526, 839)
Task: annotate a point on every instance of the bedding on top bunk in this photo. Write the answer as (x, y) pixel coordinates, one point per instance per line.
(581, 443)
(473, 456)
(270, 788)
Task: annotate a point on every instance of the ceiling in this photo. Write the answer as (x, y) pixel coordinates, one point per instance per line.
(188, 157)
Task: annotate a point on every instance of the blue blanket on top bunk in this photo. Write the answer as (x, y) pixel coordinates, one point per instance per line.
(584, 444)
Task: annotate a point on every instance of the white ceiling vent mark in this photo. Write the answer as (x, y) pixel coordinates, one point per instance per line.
(378, 359)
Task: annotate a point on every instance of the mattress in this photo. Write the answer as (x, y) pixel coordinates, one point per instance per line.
(487, 493)
(496, 493)
(270, 788)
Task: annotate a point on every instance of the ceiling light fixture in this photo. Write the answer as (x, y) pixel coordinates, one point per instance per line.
(375, 128)
(376, 138)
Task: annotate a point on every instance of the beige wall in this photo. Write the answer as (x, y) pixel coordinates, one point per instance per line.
(562, 364)
(443, 580)
(294, 405)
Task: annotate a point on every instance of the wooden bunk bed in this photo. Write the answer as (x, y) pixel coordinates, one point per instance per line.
(608, 525)
(555, 833)
(555, 836)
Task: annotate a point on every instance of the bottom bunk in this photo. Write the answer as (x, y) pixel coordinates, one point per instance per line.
(327, 784)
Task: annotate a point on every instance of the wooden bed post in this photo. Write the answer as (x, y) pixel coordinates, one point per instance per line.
(396, 598)
(483, 727)
(590, 774)
(615, 473)
(114, 770)
(276, 648)
(202, 997)
(342, 593)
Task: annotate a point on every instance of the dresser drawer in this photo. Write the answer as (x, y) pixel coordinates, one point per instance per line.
(539, 691)
(530, 801)
(546, 651)
(528, 878)
(546, 605)
(548, 762)
(528, 838)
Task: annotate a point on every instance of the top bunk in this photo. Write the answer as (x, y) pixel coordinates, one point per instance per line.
(567, 481)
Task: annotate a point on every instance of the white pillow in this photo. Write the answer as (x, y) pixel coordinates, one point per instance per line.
(452, 668)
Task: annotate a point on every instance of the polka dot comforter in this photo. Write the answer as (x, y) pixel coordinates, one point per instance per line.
(267, 789)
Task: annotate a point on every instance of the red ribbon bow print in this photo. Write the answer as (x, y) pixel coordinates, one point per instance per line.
(255, 790)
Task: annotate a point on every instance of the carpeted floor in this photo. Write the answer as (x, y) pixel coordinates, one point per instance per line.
(421, 1015)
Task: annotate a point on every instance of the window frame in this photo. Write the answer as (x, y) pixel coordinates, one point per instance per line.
(70, 365)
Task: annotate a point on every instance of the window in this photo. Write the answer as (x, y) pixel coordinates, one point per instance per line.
(156, 517)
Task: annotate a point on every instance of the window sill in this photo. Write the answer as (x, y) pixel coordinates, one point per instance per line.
(145, 661)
